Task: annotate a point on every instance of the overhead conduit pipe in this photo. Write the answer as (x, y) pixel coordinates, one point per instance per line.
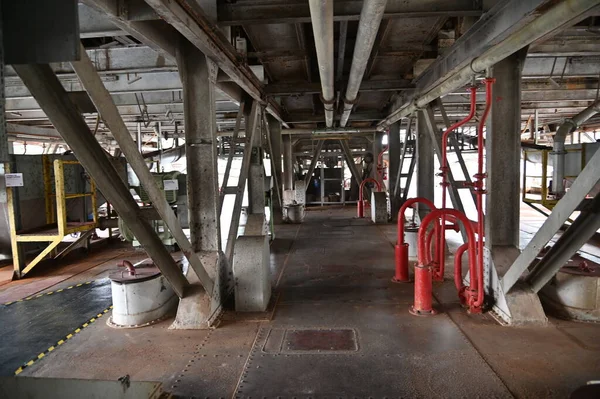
(558, 149)
(540, 26)
(368, 26)
(321, 15)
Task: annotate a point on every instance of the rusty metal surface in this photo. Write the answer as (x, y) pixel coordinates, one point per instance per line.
(398, 356)
(320, 340)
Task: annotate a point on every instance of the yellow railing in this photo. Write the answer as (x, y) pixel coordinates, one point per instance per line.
(56, 217)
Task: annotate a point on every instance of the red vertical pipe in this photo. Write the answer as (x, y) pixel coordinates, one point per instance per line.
(360, 205)
(458, 271)
(441, 242)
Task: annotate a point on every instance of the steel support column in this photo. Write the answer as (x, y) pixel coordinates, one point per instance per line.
(198, 75)
(425, 160)
(110, 114)
(350, 162)
(503, 154)
(288, 163)
(54, 100)
(274, 127)
(241, 187)
(587, 179)
(313, 162)
(256, 173)
(377, 148)
(394, 163)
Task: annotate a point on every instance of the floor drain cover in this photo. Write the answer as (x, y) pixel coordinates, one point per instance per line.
(320, 340)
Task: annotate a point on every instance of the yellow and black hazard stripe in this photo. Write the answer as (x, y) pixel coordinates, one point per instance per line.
(48, 293)
(62, 341)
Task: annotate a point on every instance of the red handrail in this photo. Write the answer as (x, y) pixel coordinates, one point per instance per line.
(360, 204)
(423, 279)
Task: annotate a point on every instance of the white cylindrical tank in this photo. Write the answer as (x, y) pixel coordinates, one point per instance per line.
(411, 238)
(141, 295)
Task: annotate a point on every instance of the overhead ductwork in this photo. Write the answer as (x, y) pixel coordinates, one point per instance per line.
(558, 153)
(321, 15)
(368, 26)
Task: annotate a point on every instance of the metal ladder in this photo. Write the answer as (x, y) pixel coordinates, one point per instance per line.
(408, 157)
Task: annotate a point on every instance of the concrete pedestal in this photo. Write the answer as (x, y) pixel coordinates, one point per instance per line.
(379, 208)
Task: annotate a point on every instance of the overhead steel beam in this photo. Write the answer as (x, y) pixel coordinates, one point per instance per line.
(509, 27)
(505, 18)
(279, 12)
(95, 24)
(159, 35)
(68, 121)
(190, 20)
(297, 117)
(288, 89)
(585, 182)
(110, 114)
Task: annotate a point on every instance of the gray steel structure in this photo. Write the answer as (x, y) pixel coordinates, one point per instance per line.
(410, 59)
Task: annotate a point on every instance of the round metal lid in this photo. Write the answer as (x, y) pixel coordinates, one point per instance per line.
(143, 272)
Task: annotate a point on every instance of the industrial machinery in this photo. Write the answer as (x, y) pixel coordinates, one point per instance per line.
(173, 185)
(537, 185)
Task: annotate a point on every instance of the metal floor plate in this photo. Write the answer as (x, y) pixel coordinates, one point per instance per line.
(398, 356)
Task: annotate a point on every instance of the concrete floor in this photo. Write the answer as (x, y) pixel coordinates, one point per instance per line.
(332, 276)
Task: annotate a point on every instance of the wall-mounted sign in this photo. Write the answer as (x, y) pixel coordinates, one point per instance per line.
(171, 185)
(14, 179)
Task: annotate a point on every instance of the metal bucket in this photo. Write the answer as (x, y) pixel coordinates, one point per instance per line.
(294, 213)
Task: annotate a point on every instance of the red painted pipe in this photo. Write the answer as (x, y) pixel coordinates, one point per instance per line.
(360, 205)
(401, 249)
(423, 275)
(438, 264)
(458, 272)
(444, 172)
(129, 266)
(480, 191)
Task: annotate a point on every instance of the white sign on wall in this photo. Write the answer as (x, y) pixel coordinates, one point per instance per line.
(171, 185)
(14, 179)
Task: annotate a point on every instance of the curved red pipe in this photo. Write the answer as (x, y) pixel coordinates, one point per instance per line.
(380, 161)
(403, 208)
(458, 270)
(362, 186)
(360, 204)
(444, 172)
(129, 266)
(421, 255)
